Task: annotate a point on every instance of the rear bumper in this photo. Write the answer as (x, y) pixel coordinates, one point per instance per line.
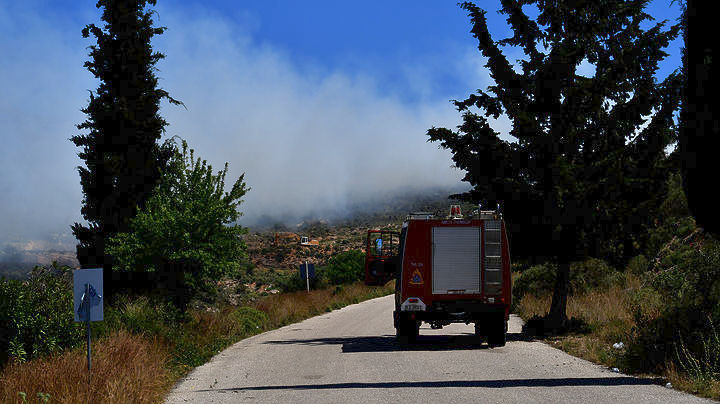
(455, 313)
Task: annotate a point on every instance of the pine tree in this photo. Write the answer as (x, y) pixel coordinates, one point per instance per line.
(583, 176)
(120, 150)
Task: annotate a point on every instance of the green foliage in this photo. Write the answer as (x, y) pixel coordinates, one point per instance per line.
(248, 321)
(638, 265)
(195, 343)
(536, 280)
(139, 315)
(681, 292)
(584, 177)
(584, 276)
(121, 156)
(36, 316)
(673, 219)
(689, 277)
(703, 366)
(42, 397)
(188, 219)
(346, 267)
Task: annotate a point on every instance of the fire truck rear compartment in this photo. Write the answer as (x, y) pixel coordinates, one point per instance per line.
(455, 260)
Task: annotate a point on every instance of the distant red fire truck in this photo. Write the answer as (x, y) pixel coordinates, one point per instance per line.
(453, 270)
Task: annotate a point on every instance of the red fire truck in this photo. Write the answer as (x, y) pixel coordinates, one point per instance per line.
(453, 270)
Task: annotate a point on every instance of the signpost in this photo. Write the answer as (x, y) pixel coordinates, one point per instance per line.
(307, 271)
(88, 304)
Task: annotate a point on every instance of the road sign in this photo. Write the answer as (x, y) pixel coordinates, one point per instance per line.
(303, 272)
(88, 283)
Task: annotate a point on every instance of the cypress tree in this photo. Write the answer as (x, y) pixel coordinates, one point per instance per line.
(119, 140)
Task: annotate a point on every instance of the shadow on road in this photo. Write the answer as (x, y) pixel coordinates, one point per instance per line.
(387, 343)
(492, 384)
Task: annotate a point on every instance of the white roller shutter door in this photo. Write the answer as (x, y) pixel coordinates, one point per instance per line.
(456, 260)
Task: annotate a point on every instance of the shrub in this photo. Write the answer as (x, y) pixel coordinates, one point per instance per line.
(536, 280)
(704, 363)
(187, 225)
(346, 267)
(584, 276)
(672, 311)
(36, 316)
(638, 265)
(591, 274)
(139, 315)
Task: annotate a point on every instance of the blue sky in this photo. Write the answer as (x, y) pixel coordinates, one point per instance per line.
(319, 103)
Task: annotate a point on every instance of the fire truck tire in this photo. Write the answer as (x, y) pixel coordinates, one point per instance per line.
(497, 338)
(407, 331)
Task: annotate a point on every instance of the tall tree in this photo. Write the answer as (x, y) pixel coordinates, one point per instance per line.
(120, 150)
(584, 173)
(700, 133)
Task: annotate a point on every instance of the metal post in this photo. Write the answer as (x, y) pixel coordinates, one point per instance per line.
(307, 276)
(87, 317)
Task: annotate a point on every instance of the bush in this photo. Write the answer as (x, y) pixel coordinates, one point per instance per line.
(703, 364)
(638, 265)
(36, 316)
(346, 267)
(536, 280)
(584, 276)
(591, 274)
(187, 225)
(672, 312)
(139, 315)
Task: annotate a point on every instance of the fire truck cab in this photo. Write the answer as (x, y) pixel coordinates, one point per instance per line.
(454, 270)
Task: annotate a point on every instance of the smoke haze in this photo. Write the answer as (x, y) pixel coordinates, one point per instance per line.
(311, 141)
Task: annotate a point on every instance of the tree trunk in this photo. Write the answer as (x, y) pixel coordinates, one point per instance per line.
(557, 318)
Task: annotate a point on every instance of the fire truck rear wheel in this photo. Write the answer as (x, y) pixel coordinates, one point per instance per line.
(497, 338)
(407, 331)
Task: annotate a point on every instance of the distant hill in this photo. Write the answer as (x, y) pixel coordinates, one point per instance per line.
(365, 212)
(370, 210)
(17, 264)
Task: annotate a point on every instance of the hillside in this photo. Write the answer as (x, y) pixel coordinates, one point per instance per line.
(335, 231)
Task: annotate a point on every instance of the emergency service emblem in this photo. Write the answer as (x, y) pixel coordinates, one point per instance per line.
(416, 278)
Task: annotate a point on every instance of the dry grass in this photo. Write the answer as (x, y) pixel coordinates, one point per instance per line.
(606, 312)
(131, 368)
(126, 369)
(289, 308)
(681, 381)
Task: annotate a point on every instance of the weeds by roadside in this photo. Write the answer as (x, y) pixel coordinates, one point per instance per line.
(126, 368)
(144, 346)
(621, 324)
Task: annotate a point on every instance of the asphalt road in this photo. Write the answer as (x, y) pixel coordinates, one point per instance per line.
(350, 355)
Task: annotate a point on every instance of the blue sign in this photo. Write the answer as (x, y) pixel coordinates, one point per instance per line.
(88, 294)
(303, 271)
